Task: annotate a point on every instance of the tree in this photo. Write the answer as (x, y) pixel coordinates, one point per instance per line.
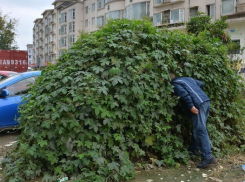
(202, 22)
(108, 102)
(7, 32)
(235, 55)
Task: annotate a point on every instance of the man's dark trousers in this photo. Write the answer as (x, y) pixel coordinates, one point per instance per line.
(200, 139)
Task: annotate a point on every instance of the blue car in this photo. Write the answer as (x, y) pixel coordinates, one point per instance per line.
(11, 91)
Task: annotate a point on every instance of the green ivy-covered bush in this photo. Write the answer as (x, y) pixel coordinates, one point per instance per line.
(108, 102)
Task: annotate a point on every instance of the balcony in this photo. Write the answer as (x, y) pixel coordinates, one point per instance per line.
(164, 19)
(108, 1)
(62, 20)
(161, 3)
(234, 12)
(168, 23)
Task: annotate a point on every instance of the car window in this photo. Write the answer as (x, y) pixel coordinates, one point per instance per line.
(9, 78)
(12, 74)
(20, 87)
(2, 77)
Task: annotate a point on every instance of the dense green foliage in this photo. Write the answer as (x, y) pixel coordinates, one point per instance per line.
(7, 32)
(202, 22)
(109, 102)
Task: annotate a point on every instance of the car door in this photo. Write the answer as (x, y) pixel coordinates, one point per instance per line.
(9, 105)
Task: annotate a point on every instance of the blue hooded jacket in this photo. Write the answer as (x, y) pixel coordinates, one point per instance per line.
(190, 91)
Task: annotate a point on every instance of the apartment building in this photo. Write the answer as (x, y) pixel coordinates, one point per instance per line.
(98, 12)
(70, 23)
(49, 36)
(38, 42)
(175, 13)
(70, 17)
(30, 53)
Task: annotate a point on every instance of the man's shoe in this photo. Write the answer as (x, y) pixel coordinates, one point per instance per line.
(206, 162)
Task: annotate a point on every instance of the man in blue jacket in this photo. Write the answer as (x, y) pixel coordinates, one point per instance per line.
(197, 105)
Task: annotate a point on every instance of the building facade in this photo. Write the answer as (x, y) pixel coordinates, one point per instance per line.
(70, 18)
(69, 22)
(38, 42)
(49, 37)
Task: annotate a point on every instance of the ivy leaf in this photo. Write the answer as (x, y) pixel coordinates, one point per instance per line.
(113, 166)
(46, 124)
(31, 151)
(100, 160)
(103, 90)
(63, 107)
(58, 170)
(55, 115)
(137, 90)
(74, 124)
(97, 110)
(65, 80)
(43, 143)
(116, 79)
(150, 139)
(114, 71)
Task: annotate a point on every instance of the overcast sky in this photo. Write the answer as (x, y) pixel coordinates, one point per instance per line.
(26, 11)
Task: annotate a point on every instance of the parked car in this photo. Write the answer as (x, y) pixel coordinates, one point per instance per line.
(6, 74)
(11, 91)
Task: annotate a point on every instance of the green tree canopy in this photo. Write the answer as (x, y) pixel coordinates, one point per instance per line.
(7, 32)
(109, 102)
(202, 22)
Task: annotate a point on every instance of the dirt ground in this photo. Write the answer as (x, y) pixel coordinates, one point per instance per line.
(228, 169)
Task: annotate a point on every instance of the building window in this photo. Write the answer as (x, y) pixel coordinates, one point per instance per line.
(86, 10)
(61, 52)
(157, 19)
(177, 15)
(193, 11)
(63, 41)
(140, 10)
(71, 14)
(235, 48)
(228, 6)
(72, 27)
(210, 10)
(63, 18)
(86, 23)
(71, 40)
(100, 21)
(93, 7)
(156, 2)
(128, 12)
(93, 21)
(47, 31)
(166, 16)
(51, 38)
(63, 30)
(114, 15)
(100, 4)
